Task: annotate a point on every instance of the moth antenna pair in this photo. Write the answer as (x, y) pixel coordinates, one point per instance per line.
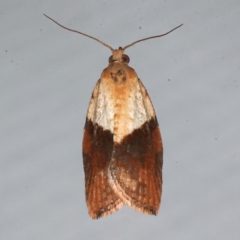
(106, 45)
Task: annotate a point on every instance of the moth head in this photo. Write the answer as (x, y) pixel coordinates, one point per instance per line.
(118, 56)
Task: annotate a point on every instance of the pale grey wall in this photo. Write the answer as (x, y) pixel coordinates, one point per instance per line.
(47, 75)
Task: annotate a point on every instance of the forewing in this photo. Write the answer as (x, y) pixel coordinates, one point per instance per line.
(97, 152)
(135, 171)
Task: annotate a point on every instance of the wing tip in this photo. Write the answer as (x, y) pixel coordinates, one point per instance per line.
(103, 212)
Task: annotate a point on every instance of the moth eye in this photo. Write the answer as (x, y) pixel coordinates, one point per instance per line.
(125, 58)
(110, 60)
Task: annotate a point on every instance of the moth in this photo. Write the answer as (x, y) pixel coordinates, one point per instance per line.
(122, 145)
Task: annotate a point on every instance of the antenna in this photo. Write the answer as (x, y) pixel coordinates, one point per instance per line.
(106, 45)
(141, 40)
(69, 29)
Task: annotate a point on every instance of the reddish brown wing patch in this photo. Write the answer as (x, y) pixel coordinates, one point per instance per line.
(136, 168)
(97, 153)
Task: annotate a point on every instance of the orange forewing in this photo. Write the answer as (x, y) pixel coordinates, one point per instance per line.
(136, 168)
(97, 152)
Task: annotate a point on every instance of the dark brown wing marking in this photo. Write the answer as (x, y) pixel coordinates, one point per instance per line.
(135, 171)
(97, 153)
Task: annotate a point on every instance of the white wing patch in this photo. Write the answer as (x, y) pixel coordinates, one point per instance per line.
(120, 108)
